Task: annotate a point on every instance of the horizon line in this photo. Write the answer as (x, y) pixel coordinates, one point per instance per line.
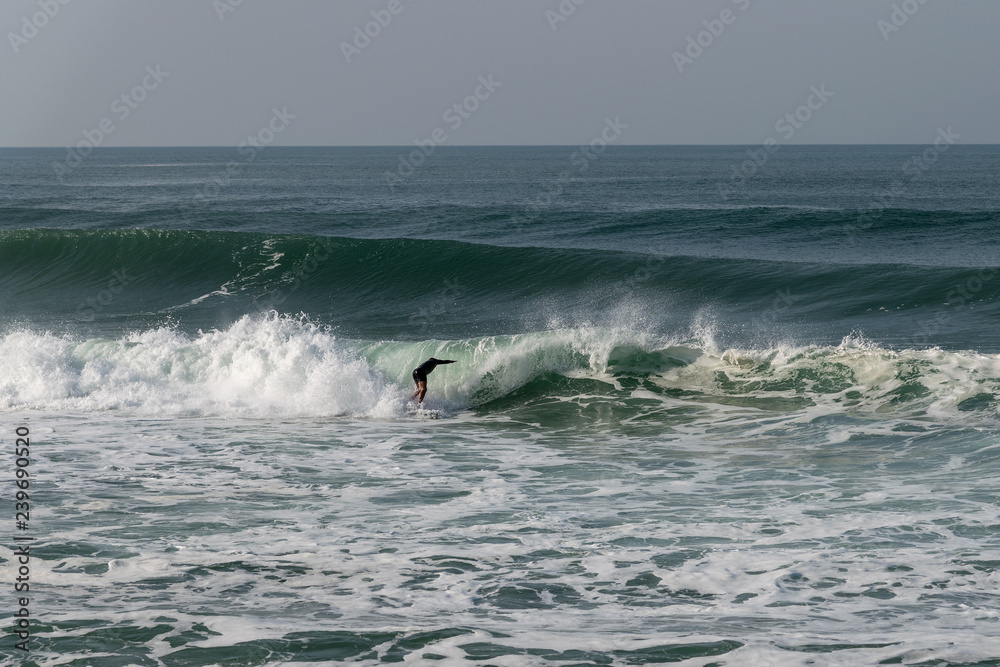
(411, 146)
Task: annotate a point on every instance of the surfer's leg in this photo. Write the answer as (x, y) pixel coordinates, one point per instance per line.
(421, 380)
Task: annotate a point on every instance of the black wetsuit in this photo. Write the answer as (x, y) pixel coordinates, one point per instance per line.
(421, 372)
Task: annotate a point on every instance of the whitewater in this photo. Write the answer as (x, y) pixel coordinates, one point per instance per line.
(281, 366)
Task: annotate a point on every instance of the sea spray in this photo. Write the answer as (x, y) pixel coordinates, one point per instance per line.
(271, 365)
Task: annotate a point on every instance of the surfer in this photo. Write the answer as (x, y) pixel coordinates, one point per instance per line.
(420, 374)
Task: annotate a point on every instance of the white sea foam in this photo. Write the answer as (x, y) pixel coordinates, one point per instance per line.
(256, 530)
(265, 366)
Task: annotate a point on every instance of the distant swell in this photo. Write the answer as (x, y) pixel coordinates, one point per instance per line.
(163, 271)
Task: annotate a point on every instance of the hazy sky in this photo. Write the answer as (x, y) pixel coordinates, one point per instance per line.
(884, 71)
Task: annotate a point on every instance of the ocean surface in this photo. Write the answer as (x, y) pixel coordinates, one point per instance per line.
(712, 406)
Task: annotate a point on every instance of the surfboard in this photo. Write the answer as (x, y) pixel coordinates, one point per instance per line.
(423, 413)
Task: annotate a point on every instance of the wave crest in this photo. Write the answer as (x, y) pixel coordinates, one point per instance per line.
(272, 366)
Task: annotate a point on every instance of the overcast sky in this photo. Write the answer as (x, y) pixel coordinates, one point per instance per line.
(887, 71)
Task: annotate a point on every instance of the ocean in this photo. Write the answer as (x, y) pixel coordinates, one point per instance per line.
(712, 405)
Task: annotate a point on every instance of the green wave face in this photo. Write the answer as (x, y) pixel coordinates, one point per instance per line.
(582, 376)
(109, 281)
